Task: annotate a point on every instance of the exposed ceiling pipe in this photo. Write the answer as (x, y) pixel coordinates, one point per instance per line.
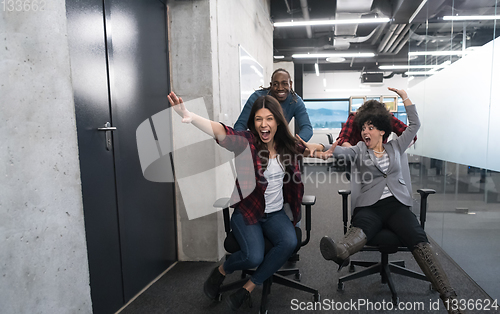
(406, 38)
(386, 38)
(394, 37)
(380, 30)
(288, 7)
(400, 38)
(305, 13)
(433, 38)
(402, 43)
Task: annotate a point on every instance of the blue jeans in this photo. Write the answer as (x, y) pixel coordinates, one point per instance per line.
(276, 227)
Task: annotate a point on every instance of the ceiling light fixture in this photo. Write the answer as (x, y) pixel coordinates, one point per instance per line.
(471, 17)
(436, 53)
(430, 72)
(405, 67)
(333, 22)
(417, 73)
(328, 55)
(417, 11)
(335, 59)
(316, 68)
(279, 57)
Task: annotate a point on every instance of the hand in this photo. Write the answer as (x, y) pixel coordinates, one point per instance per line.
(311, 148)
(401, 92)
(180, 108)
(328, 153)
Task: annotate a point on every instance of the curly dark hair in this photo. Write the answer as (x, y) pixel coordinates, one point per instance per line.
(375, 113)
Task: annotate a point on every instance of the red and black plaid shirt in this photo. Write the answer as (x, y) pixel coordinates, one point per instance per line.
(351, 133)
(251, 178)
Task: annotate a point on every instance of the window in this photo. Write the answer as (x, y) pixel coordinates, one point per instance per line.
(401, 112)
(355, 103)
(327, 113)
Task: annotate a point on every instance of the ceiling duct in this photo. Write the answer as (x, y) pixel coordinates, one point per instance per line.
(348, 9)
(346, 34)
(305, 13)
(343, 43)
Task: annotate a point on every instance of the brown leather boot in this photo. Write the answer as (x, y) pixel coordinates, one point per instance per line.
(427, 260)
(353, 241)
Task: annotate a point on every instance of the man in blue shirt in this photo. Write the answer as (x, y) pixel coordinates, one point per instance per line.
(292, 104)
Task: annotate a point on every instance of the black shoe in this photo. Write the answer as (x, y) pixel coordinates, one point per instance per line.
(329, 251)
(236, 299)
(213, 283)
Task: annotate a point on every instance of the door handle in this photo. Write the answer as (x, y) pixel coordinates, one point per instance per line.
(107, 128)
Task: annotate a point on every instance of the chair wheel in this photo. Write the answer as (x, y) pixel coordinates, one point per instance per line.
(352, 268)
(317, 297)
(298, 276)
(340, 286)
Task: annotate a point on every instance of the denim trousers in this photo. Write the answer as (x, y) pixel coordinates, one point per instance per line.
(391, 214)
(277, 228)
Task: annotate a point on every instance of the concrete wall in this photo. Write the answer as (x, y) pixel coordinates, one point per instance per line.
(204, 48)
(43, 255)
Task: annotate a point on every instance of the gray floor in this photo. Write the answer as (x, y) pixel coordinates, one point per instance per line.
(180, 289)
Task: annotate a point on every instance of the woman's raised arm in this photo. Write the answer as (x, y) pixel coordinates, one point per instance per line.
(210, 127)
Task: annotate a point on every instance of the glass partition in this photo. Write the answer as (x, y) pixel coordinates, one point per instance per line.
(457, 152)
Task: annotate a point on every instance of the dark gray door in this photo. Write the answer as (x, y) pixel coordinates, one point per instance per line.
(120, 73)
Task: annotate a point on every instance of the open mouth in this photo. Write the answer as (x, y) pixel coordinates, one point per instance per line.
(265, 135)
(367, 141)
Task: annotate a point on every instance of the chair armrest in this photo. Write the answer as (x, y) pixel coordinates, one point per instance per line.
(345, 215)
(330, 138)
(308, 201)
(424, 193)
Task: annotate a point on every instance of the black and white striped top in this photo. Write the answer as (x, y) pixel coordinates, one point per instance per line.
(383, 162)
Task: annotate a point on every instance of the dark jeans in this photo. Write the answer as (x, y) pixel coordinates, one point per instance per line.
(391, 214)
(276, 227)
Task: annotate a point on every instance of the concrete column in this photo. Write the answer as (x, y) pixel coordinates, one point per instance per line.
(43, 255)
(204, 49)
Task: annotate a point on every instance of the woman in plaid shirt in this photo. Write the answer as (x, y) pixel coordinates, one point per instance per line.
(265, 183)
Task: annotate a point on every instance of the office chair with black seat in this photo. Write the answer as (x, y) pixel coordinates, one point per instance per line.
(386, 242)
(231, 246)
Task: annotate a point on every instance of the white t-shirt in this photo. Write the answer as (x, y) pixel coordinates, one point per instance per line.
(273, 195)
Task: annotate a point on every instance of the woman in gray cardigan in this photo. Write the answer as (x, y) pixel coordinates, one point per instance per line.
(384, 199)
